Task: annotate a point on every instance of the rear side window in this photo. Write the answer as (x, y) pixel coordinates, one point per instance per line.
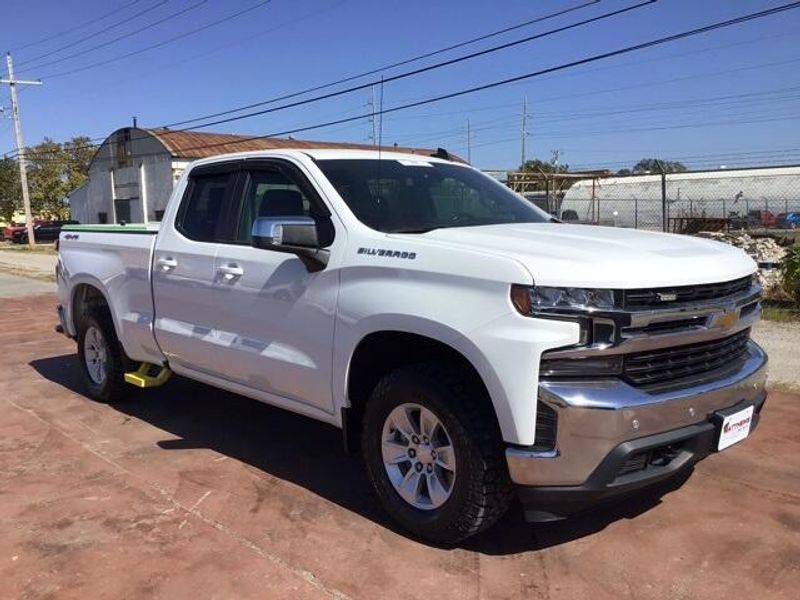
(203, 215)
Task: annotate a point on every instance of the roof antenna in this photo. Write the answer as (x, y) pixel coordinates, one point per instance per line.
(135, 123)
(380, 123)
(380, 141)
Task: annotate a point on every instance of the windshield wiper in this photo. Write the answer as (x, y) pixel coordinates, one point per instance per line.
(416, 229)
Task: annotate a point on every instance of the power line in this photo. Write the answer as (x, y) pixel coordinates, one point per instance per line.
(401, 75)
(596, 92)
(704, 104)
(703, 158)
(406, 74)
(118, 39)
(572, 64)
(390, 66)
(64, 32)
(564, 66)
(94, 34)
(161, 43)
(239, 40)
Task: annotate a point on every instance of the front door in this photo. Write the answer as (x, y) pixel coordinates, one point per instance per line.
(183, 269)
(275, 319)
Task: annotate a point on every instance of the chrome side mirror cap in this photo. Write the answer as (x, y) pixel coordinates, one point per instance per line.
(293, 235)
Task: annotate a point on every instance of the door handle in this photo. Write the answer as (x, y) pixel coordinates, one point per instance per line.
(166, 264)
(230, 272)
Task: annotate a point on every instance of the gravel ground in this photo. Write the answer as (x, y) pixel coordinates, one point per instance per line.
(782, 343)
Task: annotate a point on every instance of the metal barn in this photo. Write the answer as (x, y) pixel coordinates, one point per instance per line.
(134, 170)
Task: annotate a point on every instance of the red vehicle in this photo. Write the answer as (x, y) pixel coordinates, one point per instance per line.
(15, 229)
(10, 230)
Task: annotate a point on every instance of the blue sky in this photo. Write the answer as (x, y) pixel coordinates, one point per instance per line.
(729, 97)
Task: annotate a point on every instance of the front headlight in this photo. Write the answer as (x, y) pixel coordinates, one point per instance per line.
(530, 300)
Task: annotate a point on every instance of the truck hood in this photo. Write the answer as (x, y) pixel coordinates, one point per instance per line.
(558, 254)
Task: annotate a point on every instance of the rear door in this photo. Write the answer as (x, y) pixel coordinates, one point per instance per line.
(274, 318)
(183, 268)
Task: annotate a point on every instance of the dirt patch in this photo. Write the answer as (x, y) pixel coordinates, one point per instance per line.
(781, 340)
(187, 491)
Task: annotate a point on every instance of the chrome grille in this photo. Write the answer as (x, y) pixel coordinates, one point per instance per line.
(679, 362)
(655, 297)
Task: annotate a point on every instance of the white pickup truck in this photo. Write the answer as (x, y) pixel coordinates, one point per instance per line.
(472, 347)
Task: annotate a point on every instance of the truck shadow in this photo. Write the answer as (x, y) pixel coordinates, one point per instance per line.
(307, 453)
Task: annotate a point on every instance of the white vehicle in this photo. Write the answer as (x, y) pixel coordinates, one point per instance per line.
(467, 343)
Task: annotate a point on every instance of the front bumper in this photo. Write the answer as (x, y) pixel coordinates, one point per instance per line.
(601, 424)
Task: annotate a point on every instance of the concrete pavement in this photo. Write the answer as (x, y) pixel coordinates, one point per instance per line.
(35, 264)
(187, 492)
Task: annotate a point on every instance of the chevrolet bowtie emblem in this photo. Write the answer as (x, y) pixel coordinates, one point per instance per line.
(726, 320)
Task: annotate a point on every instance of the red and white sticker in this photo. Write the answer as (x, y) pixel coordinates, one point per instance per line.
(735, 427)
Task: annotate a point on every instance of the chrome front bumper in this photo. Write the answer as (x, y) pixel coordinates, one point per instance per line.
(594, 417)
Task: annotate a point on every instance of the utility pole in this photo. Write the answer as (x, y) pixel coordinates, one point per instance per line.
(664, 211)
(469, 142)
(372, 103)
(23, 173)
(524, 130)
(556, 156)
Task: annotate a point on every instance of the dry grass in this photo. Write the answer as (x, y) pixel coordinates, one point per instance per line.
(43, 248)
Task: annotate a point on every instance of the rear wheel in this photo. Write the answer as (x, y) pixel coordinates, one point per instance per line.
(102, 361)
(434, 455)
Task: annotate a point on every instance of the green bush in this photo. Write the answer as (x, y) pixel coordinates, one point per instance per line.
(790, 271)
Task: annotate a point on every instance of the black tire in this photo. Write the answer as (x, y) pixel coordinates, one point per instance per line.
(481, 490)
(112, 388)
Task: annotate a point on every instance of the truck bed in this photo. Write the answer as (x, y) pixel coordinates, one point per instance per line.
(119, 258)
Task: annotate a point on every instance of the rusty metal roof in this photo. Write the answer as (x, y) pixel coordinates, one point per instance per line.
(192, 144)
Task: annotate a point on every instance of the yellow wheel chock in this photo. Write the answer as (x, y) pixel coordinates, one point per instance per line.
(142, 376)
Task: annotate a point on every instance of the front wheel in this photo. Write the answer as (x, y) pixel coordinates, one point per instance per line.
(433, 453)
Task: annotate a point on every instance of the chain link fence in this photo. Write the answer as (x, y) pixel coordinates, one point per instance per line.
(764, 198)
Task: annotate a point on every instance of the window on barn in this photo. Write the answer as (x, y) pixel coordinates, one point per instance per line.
(123, 152)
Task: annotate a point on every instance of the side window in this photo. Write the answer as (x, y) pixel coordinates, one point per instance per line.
(203, 216)
(271, 193)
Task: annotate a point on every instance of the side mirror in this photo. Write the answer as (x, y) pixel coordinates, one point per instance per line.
(293, 235)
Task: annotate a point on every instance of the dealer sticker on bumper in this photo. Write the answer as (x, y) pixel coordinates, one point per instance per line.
(735, 427)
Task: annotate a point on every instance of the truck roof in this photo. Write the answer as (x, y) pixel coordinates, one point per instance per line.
(331, 154)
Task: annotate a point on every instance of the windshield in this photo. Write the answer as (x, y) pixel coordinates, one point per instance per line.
(414, 195)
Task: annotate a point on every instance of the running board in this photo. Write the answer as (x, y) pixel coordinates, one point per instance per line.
(143, 379)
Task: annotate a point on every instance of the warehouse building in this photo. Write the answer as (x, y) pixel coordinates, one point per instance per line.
(636, 201)
(134, 171)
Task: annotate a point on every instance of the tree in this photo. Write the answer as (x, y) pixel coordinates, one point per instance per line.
(623, 172)
(537, 165)
(10, 191)
(654, 165)
(54, 170)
